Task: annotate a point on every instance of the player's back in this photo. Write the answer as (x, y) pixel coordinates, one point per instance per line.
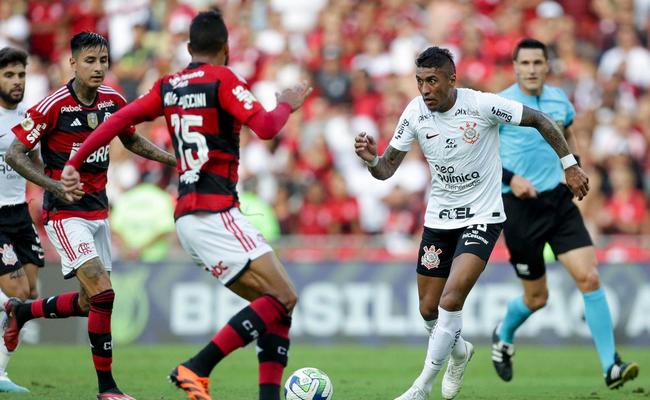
(205, 106)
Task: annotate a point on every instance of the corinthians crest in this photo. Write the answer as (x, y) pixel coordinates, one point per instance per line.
(470, 134)
(93, 120)
(8, 255)
(430, 257)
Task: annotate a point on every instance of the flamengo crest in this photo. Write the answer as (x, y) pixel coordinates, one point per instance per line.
(430, 257)
(470, 134)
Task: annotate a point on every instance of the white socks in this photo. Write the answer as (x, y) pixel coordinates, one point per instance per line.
(443, 339)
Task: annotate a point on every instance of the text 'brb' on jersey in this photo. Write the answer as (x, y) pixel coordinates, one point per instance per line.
(204, 106)
(60, 122)
(461, 146)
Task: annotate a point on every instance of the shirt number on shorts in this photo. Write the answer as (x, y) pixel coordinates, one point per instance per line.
(185, 137)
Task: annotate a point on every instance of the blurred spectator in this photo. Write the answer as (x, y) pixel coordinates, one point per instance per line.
(142, 223)
(628, 57)
(626, 209)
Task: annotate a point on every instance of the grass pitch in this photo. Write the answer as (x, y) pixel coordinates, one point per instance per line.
(358, 373)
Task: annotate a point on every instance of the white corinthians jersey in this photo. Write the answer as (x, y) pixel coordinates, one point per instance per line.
(461, 146)
(12, 185)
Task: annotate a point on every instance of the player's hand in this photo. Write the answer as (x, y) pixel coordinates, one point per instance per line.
(577, 181)
(295, 96)
(522, 188)
(71, 182)
(365, 147)
(67, 195)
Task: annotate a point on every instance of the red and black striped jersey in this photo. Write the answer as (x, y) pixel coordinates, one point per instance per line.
(204, 106)
(60, 122)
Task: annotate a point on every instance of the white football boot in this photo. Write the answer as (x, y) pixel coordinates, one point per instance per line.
(453, 379)
(414, 393)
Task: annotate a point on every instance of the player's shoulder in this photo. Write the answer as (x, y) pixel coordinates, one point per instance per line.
(107, 93)
(61, 97)
(555, 92)
(510, 92)
(415, 107)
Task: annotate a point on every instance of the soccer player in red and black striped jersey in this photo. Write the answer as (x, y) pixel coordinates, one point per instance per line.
(79, 231)
(205, 106)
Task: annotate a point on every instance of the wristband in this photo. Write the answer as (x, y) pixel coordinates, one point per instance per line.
(568, 161)
(506, 176)
(373, 163)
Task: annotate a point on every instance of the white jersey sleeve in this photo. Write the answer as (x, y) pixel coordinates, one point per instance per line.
(499, 110)
(405, 133)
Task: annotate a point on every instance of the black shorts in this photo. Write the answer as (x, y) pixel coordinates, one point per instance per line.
(19, 241)
(439, 247)
(550, 218)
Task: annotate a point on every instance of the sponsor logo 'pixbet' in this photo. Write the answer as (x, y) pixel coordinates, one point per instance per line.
(504, 115)
(244, 96)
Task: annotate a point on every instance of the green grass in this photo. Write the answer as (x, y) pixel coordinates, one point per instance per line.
(358, 373)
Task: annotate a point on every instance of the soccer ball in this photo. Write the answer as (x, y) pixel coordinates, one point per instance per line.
(308, 384)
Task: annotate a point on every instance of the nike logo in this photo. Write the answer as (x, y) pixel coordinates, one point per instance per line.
(432, 136)
(467, 243)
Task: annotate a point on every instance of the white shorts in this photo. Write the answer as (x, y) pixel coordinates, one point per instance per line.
(223, 243)
(78, 240)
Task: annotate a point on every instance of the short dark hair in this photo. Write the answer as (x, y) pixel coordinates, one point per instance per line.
(436, 57)
(11, 55)
(208, 32)
(529, 43)
(87, 40)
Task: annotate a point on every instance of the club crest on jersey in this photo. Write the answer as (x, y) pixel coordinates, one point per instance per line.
(470, 134)
(430, 257)
(27, 123)
(8, 255)
(92, 120)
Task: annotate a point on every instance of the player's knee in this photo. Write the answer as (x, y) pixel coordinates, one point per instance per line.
(537, 300)
(589, 281)
(429, 312)
(289, 299)
(452, 301)
(22, 293)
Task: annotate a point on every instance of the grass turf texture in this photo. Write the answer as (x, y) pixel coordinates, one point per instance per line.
(358, 373)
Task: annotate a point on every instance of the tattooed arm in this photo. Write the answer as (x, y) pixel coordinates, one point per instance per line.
(18, 159)
(576, 179)
(143, 147)
(386, 165)
(550, 130)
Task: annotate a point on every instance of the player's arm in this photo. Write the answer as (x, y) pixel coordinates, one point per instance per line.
(382, 167)
(144, 148)
(17, 157)
(576, 178)
(267, 124)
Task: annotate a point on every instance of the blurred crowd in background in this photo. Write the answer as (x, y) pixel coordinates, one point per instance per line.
(359, 56)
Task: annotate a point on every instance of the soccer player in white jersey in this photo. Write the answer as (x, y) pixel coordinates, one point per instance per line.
(21, 253)
(457, 130)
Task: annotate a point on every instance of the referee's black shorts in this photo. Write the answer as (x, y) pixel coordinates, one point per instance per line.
(550, 218)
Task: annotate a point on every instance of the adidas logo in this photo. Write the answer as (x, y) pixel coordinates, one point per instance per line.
(76, 122)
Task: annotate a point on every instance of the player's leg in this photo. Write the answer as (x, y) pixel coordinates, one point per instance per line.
(525, 231)
(13, 283)
(582, 264)
(31, 270)
(574, 249)
(237, 255)
(61, 234)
